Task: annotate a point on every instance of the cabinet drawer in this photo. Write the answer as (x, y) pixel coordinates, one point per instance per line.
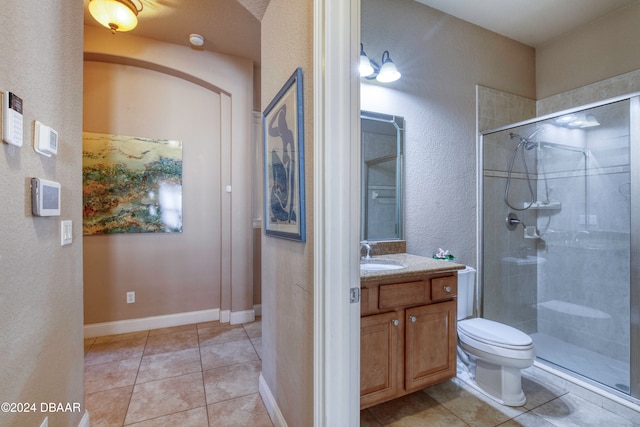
(401, 294)
(443, 288)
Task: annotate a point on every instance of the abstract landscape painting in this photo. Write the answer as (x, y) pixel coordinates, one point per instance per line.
(131, 184)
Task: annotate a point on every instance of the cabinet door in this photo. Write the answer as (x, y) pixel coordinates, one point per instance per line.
(380, 344)
(430, 344)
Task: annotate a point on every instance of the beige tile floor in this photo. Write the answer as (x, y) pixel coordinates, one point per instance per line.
(206, 374)
(198, 375)
(455, 404)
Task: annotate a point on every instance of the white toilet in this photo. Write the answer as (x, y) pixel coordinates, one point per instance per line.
(491, 354)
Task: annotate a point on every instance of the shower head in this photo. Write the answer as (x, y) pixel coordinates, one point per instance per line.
(535, 132)
(525, 142)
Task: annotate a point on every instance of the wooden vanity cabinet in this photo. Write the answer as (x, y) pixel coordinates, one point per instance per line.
(408, 335)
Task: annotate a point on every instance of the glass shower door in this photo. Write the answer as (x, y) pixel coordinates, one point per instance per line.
(556, 239)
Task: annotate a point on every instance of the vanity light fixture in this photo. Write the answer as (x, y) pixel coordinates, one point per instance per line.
(117, 15)
(366, 69)
(388, 71)
(385, 73)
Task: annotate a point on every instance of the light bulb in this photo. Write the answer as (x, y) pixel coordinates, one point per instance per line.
(388, 72)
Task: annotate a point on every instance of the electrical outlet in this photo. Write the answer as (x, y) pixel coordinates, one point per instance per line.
(131, 297)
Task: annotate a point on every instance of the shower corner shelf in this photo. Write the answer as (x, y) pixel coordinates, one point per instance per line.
(545, 206)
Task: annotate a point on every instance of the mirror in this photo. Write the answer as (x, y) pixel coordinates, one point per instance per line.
(382, 139)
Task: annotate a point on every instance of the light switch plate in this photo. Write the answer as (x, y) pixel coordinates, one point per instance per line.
(66, 232)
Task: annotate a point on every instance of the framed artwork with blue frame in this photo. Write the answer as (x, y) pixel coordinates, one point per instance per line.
(283, 130)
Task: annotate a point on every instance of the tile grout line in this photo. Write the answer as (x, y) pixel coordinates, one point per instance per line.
(204, 388)
(135, 381)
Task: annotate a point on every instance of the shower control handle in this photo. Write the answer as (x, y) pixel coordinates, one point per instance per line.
(512, 221)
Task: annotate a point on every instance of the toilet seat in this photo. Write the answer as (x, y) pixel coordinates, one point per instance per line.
(494, 334)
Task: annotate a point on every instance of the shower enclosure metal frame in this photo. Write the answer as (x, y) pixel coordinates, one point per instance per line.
(634, 161)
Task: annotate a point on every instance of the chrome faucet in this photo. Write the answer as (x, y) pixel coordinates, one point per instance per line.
(367, 247)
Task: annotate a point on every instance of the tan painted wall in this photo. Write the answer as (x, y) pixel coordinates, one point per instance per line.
(287, 266)
(168, 91)
(603, 49)
(41, 349)
(170, 272)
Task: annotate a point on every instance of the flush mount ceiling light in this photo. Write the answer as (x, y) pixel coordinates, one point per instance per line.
(578, 120)
(117, 15)
(385, 73)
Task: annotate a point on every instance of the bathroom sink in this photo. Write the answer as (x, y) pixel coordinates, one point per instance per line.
(379, 264)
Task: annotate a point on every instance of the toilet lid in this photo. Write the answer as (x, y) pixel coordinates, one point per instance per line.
(494, 333)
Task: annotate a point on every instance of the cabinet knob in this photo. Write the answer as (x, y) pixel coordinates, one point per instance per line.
(395, 322)
(447, 288)
(413, 319)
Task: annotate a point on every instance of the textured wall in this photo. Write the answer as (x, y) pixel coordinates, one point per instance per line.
(442, 60)
(597, 51)
(41, 281)
(287, 266)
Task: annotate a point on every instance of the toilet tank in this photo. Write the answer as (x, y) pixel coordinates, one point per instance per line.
(466, 292)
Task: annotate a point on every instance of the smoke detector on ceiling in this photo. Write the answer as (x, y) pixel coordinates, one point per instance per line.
(196, 40)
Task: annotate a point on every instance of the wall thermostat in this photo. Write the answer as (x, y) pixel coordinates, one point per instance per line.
(45, 197)
(45, 140)
(12, 119)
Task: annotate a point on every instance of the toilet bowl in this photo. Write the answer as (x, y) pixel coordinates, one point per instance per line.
(493, 354)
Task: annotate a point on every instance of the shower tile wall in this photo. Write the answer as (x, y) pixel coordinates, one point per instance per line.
(605, 89)
(496, 108)
(566, 284)
(512, 304)
(584, 298)
(511, 265)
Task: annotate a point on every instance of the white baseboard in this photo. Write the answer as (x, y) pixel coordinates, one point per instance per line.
(225, 315)
(84, 422)
(239, 317)
(153, 322)
(270, 403)
(257, 309)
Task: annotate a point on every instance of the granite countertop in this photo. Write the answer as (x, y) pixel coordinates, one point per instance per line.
(414, 265)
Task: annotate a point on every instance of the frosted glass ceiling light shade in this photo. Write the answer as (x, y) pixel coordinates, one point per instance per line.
(578, 120)
(117, 15)
(366, 69)
(584, 121)
(388, 71)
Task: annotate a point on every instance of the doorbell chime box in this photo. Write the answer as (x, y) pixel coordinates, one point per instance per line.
(45, 140)
(45, 197)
